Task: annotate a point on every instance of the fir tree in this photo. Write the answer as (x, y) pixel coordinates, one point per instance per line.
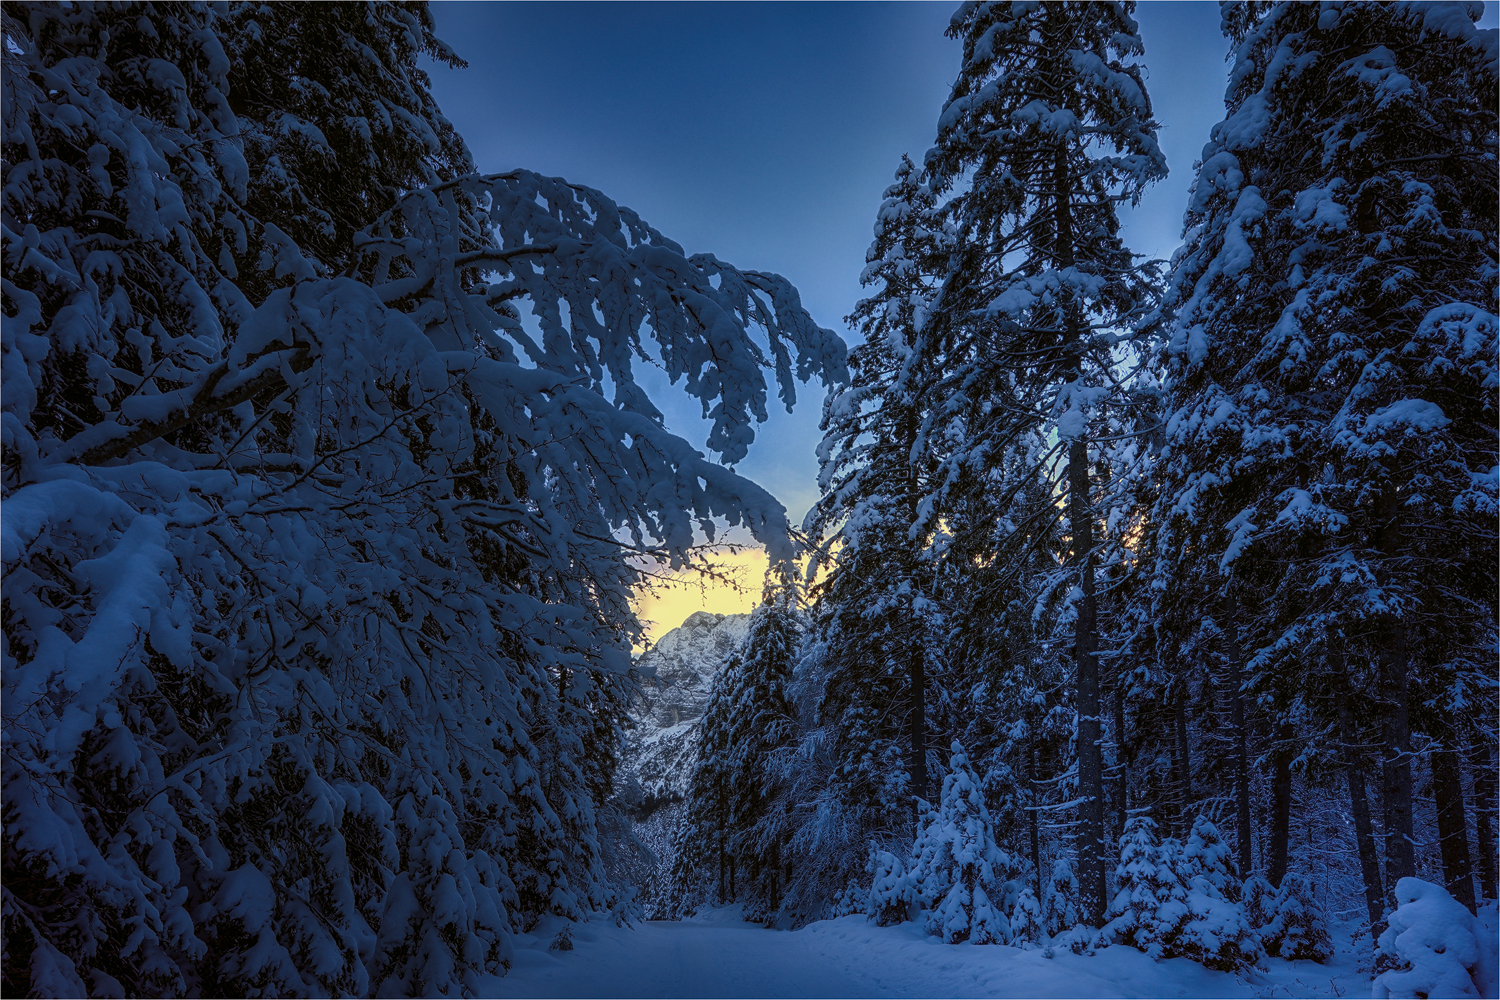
(1050, 123)
(959, 868)
(1296, 929)
(877, 609)
(893, 892)
(762, 735)
(1150, 906)
(1330, 335)
(1060, 904)
(315, 621)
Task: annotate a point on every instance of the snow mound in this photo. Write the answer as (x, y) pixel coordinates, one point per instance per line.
(1436, 941)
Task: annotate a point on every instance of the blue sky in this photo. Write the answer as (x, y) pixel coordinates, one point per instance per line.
(765, 133)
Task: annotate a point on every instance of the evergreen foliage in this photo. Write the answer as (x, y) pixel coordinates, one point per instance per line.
(1060, 904)
(319, 549)
(1330, 335)
(959, 870)
(315, 634)
(893, 892)
(1296, 928)
(1050, 126)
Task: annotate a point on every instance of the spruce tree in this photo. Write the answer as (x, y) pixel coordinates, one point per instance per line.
(317, 628)
(877, 609)
(761, 737)
(958, 867)
(1330, 338)
(1050, 126)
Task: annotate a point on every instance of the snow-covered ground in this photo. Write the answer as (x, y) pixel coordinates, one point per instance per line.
(718, 955)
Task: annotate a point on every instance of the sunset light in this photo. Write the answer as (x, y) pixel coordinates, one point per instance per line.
(674, 596)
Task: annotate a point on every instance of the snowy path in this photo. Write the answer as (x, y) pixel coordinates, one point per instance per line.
(723, 957)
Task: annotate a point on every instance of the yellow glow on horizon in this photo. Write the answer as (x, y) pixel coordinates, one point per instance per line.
(675, 596)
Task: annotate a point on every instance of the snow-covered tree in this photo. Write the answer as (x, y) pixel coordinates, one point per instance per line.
(1258, 897)
(1172, 901)
(336, 120)
(1150, 906)
(1327, 498)
(1060, 903)
(1047, 131)
(761, 739)
(876, 608)
(1205, 860)
(737, 826)
(1026, 922)
(317, 616)
(1296, 928)
(893, 892)
(958, 867)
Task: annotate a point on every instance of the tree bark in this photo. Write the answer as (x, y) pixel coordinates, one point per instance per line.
(1184, 761)
(1241, 753)
(1453, 826)
(1396, 784)
(918, 763)
(1395, 773)
(1364, 836)
(1484, 813)
(1085, 641)
(1281, 805)
(1036, 840)
(917, 666)
(1122, 767)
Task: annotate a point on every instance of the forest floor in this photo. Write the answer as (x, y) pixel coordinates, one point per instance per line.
(718, 955)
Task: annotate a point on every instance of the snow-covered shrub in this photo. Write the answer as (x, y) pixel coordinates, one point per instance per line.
(1218, 933)
(893, 891)
(1434, 943)
(1258, 897)
(854, 899)
(1205, 860)
(1150, 905)
(958, 864)
(1060, 902)
(1026, 924)
(1296, 928)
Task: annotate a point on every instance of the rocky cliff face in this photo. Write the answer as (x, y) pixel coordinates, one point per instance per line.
(657, 760)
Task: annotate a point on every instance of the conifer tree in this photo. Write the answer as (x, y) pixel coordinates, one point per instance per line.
(877, 608)
(1150, 905)
(958, 867)
(1330, 334)
(316, 629)
(1296, 930)
(1060, 904)
(1050, 123)
(762, 734)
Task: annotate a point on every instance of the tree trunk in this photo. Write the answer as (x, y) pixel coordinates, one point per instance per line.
(1122, 768)
(918, 763)
(1241, 759)
(1453, 826)
(917, 666)
(1364, 836)
(1281, 805)
(1085, 641)
(1484, 813)
(1036, 840)
(1395, 771)
(1184, 761)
